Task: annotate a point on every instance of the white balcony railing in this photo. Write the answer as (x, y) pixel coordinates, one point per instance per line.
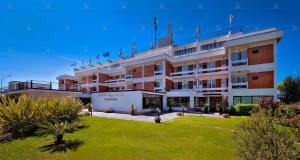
(216, 69)
(158, 73)
(128, 76)
(220, 89)
(115, 80)
(183, 73)
(240, 85)
(240, 62)
(158, 89)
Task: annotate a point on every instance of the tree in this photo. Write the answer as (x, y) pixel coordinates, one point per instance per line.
(263, 137)
(58, 129)
(290, 87)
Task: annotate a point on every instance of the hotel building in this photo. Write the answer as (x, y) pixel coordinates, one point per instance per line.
(239, 67)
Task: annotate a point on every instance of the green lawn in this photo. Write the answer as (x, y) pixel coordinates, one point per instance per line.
(184, 138)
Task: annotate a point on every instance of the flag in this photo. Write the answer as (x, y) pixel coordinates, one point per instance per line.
(231, 17)
(121, 53)
(106, 54)
(97, 57)
(90, 61)
(198, 32)
(133, 48)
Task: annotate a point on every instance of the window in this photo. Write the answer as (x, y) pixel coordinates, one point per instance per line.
(249, 99)
(212, 83)
(239, 81)
(255, 51)
(152, 101)
(239, 58)
(185, 51)
(255, 78)
(212, 45)
(185, 84)
(178, 101)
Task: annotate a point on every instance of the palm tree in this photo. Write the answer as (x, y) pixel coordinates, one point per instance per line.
(58, 129)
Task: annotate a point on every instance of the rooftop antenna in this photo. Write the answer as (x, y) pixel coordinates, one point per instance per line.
(155, 28)
(170, 34)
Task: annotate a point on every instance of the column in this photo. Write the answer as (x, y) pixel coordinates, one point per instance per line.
(192, 104)
(143, 85)
(164, 75)
(230, 96)
(275, 69)
(208, 102)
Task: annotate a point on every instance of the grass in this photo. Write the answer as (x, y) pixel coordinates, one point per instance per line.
(184, 138)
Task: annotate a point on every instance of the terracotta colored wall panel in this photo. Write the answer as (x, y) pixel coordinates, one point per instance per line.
(103, 88)
(261, 54)
(149, 71)
(169, 69)
(149, 86)
(218, 83)
(169, 85)
(137, 72)
(102, 78)
(261, 80)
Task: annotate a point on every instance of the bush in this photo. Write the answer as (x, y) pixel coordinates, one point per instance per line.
(244, 109)
(20, 117)
(263, 137)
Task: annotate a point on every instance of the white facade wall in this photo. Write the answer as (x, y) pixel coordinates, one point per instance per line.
(119, 101)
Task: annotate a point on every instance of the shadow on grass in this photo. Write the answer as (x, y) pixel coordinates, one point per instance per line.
(67, 145)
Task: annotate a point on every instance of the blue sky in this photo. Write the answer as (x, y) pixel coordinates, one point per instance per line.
(39, 39)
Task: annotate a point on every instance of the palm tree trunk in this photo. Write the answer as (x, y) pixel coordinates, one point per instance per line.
(59, 139)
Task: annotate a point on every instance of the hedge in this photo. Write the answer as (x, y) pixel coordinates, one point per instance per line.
(244, 109)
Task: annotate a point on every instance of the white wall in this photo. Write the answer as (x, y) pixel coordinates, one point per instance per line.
(118, 101)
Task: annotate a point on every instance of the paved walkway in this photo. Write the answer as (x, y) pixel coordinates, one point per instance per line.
(149, 118)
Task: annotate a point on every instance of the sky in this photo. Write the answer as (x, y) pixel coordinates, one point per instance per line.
(39, 39)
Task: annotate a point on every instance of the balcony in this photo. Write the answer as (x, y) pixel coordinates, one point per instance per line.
(158, 89)
(183, 73)
(156, 73)
(211, 70)
(128, 76)
(240, 62)
(115, 80)
(239, 85)
(211, 90)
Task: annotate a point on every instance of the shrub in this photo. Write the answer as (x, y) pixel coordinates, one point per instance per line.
(263, 137)
(18, 117)
(60, 109)
(58, 129)
(244, 109)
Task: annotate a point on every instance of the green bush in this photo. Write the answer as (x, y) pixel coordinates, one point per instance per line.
(264, 137)
(18, 117)
(244, 109)
(21, 116)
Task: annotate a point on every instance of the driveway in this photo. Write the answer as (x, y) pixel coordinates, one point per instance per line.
(149, 118)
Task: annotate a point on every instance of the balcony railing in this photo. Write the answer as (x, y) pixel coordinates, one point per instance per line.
(240, 85)
(183, 73)
(158, 89)
(211, 70)
(128, 76)
(158, 73)
(115, 80)
(240, 62)
(41, 85)
(219, 89)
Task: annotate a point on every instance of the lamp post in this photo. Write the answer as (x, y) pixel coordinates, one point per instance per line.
(3, 79)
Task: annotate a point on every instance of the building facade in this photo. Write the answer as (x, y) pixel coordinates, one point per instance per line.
(239, 67)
